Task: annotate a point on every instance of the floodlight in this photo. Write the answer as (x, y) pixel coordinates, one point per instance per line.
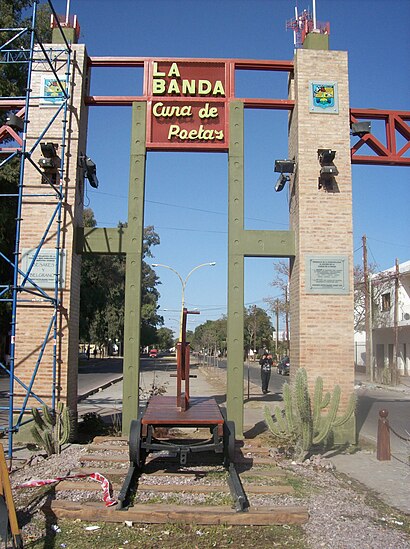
(49, 150)
(49, 162)
(15, 122)
(90, 170)
(281, 182)
(361, 128)
(326, 156)
(328, 170)
(284, 166)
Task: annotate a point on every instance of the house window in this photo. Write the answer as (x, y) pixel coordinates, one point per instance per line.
(386, 302)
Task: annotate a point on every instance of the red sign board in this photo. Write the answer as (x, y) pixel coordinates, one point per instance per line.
(186, 105)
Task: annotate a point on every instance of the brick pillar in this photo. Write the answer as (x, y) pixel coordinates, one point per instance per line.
(34, 316)
(321, 294)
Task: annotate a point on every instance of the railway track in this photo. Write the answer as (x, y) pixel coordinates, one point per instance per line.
(166, 492)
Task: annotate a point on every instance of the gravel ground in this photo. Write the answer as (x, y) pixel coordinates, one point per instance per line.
(340, 517)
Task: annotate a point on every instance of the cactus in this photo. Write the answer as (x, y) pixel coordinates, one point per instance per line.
(303, 419)
(52, 428)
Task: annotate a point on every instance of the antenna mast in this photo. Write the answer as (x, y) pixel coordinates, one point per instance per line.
(314, 15)
(67, 12)
(304, 24)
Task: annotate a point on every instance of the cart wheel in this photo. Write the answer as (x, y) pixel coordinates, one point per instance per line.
(229, 441)
(137, 454)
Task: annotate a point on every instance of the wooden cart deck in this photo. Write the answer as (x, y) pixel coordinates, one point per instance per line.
(162, 410)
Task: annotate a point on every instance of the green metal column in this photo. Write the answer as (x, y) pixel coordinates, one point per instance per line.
(235, 267)
(133, 272)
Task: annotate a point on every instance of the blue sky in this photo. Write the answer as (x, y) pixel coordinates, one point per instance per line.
(186, 193)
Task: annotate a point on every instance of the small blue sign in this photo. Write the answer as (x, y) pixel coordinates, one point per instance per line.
(52, 93)
(324, 97)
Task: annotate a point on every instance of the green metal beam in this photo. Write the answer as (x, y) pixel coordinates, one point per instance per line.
(133, 270)
(235, 341)
(101, 241)
(268, 243)
(242, 243)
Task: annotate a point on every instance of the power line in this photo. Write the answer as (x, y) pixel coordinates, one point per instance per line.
(190, 208)
(395, 244)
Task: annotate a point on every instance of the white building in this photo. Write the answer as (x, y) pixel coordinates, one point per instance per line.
(383, 326)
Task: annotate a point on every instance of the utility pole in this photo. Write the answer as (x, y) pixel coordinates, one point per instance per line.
(277, 328)
(395, 376)
(367, 318)
(287, 318)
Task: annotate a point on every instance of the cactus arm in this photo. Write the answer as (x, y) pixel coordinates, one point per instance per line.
(351, 408)
(66, 426)
(330, 418)
(317, 400)
(38, 419)
(273, 427)
(289, 413)
(44, 440)
(48, 416)
(325, 401)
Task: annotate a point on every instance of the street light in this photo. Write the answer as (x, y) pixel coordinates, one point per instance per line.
(184, 283)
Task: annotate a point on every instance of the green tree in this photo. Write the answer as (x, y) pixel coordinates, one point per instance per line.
(103, 293)
(165, 338)
(211, 336)
(258, 329)
(281, 305)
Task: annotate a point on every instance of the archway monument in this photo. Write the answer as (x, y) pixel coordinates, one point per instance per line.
(190, 104)
(204, 115)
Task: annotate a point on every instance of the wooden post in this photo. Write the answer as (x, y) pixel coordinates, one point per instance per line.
(383, 437)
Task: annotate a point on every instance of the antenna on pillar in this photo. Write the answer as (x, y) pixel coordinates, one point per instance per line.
(67, 12)
(65, 28)
(304, 25)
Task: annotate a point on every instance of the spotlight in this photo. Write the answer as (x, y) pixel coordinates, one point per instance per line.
(90, 170)
(49, 162)
(281, 182)
(284, 166)
(49, 150)
(15, 122)
(326, 156)
(328, 170)
(361, 128)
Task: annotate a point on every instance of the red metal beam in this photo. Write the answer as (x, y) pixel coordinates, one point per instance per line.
(240, 64)
(112, 100)
(278, 104)
(386, 154)
(127, 100)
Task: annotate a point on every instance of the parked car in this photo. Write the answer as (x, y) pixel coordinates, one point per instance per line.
(284, 366)
(153, 353)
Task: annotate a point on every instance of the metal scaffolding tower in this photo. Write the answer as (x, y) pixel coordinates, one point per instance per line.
(23, 46)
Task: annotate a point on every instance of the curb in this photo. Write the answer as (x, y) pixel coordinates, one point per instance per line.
(98, 389)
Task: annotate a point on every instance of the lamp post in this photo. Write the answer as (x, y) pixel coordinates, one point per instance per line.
(184, 283)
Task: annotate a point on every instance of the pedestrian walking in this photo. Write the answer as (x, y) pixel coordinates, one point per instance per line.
(266, 367)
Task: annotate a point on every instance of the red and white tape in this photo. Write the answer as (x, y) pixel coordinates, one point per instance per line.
(105, 485)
